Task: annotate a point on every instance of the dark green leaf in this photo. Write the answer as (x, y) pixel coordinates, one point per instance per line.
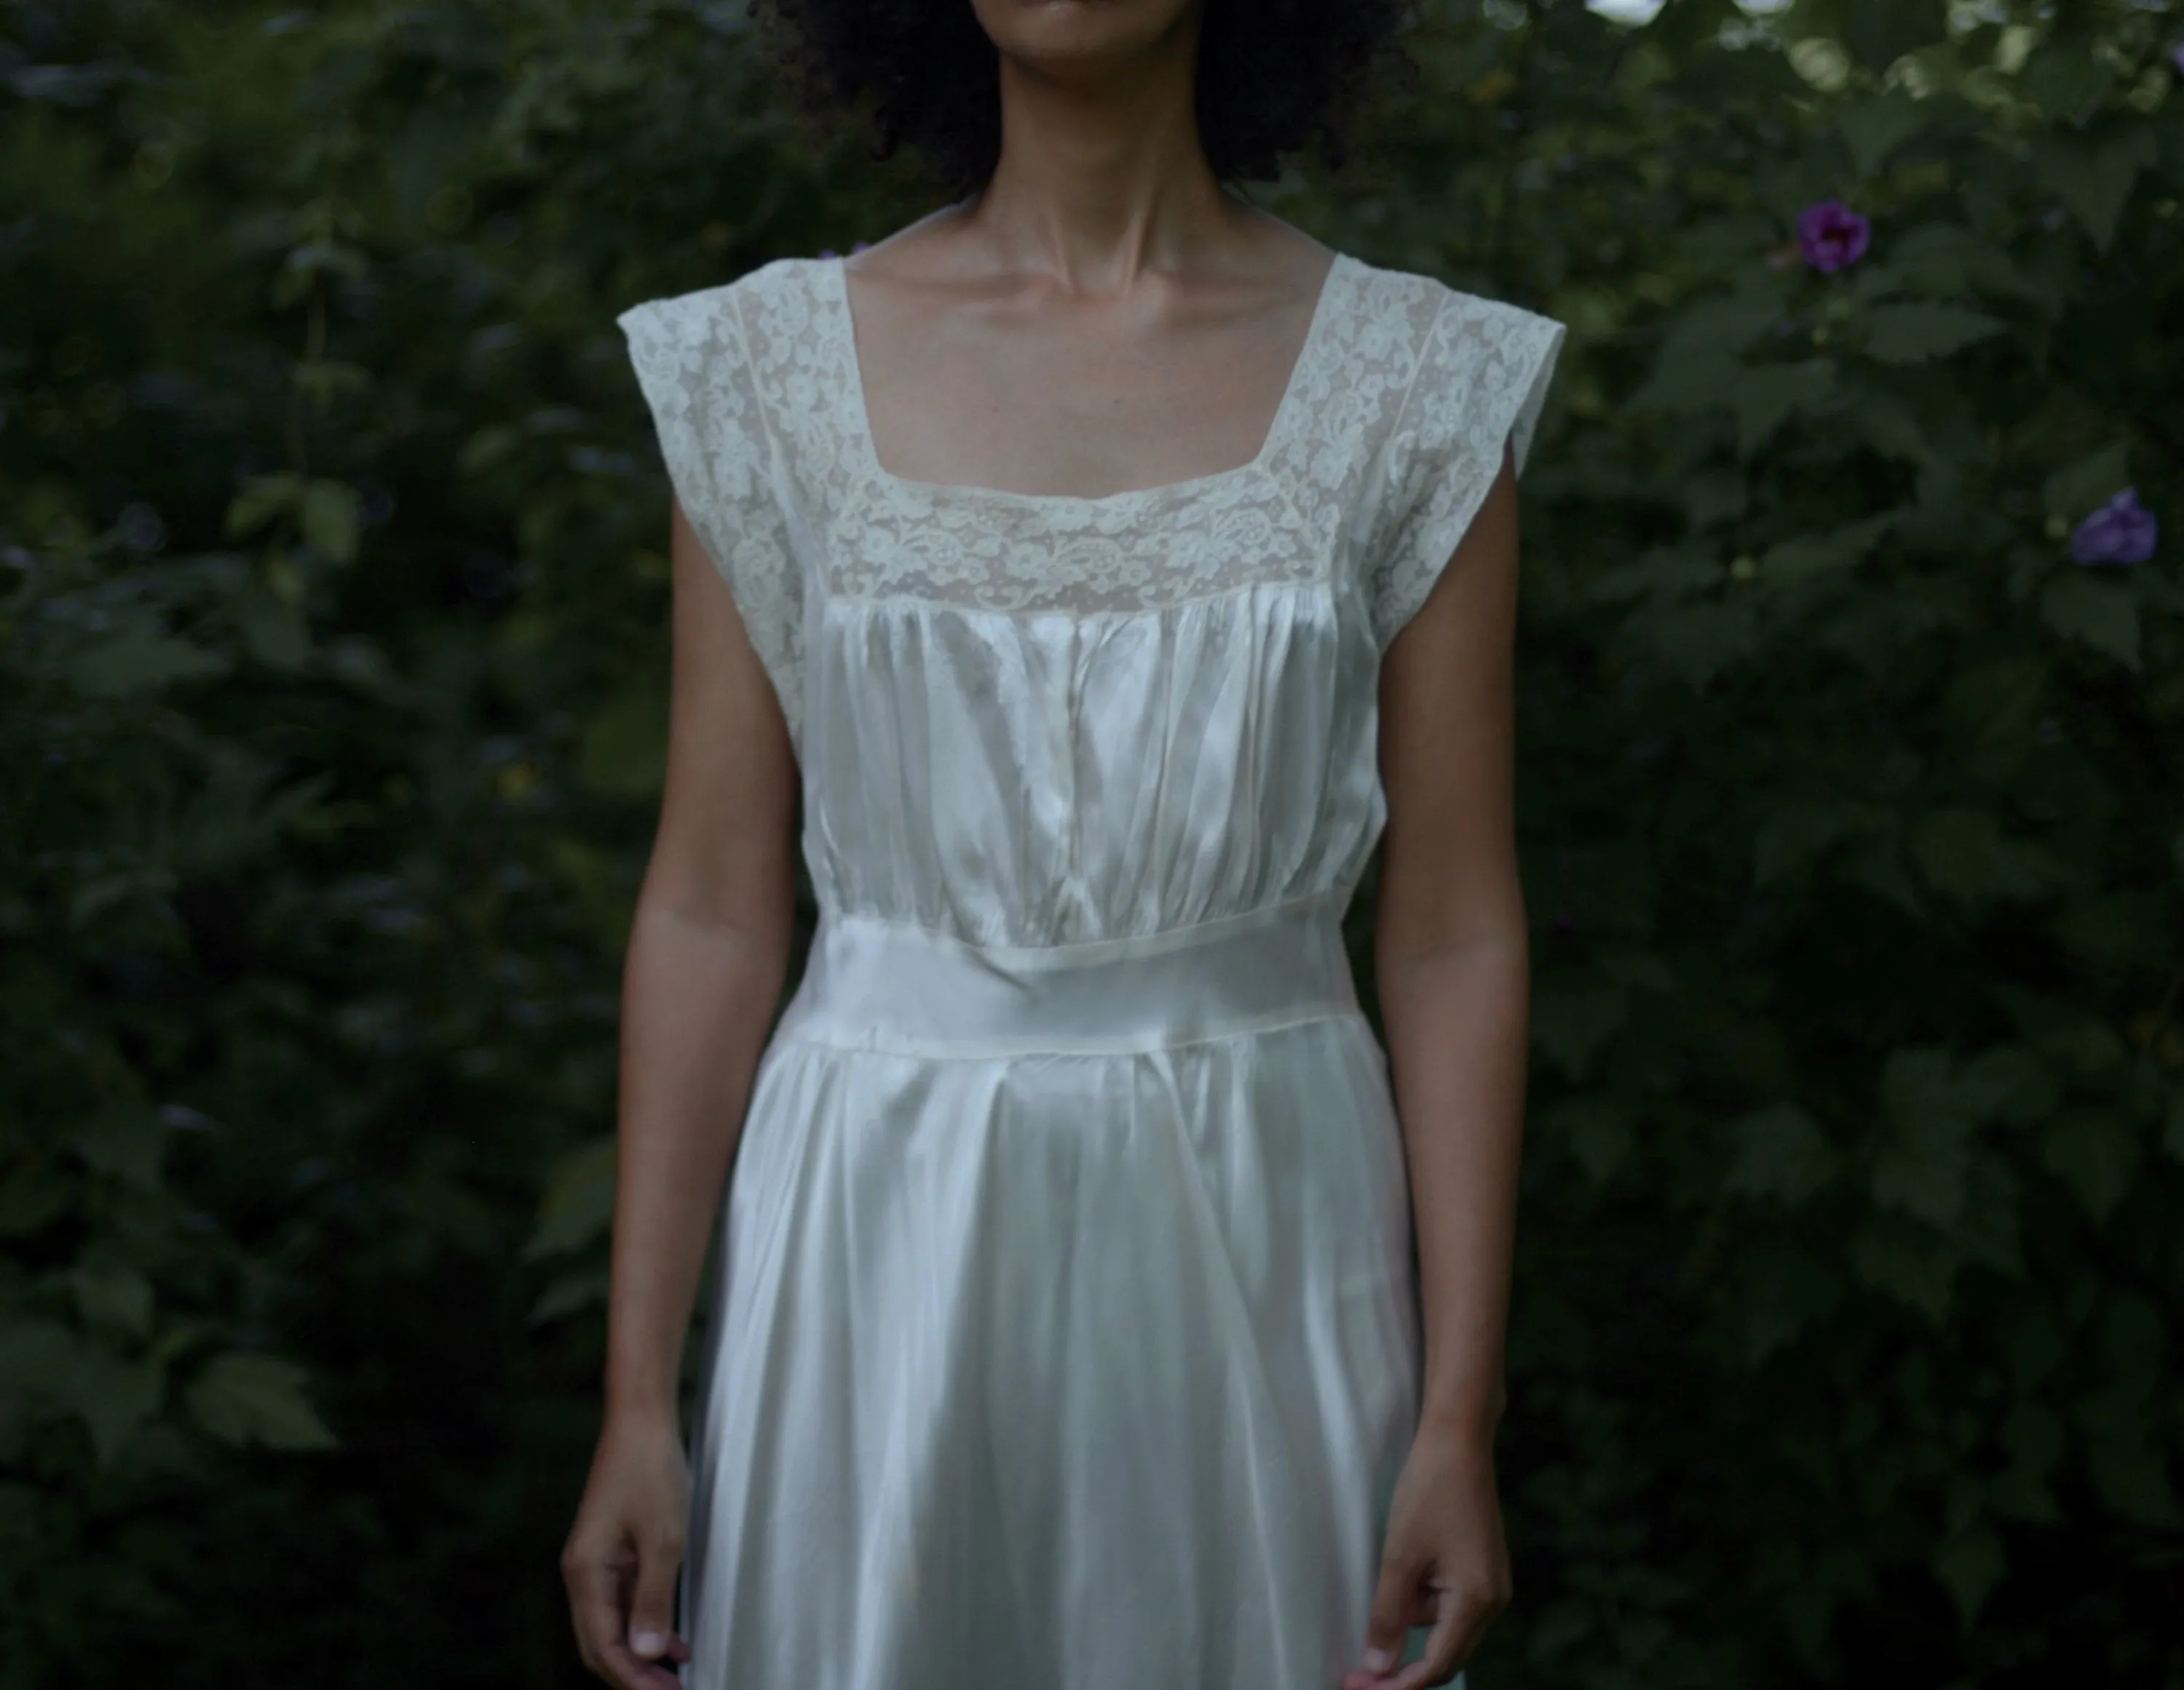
(2102, 613)
(1780, 1153)
(143, 660)
(2095, 1156)
(2093, 174)
(1875, 128)
(578, 1203)
(1914, 333)
(243, 1397)
(1767, 396)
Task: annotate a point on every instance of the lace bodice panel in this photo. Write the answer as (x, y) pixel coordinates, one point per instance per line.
(725, 463)
(1385, 445)
(1264, 521)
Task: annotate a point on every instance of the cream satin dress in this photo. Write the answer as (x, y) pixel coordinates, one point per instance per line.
(1067, 1334)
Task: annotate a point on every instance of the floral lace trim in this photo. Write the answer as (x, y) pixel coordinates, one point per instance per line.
(699, 378)
(1386, 446)
(1482, 380)
(1277, 520)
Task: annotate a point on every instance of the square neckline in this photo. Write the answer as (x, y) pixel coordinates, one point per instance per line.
(858, 420)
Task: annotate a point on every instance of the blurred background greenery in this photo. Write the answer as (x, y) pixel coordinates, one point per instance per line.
(332, 596)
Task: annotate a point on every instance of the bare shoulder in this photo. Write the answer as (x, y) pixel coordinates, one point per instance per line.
(1287, 245)
(927, 249)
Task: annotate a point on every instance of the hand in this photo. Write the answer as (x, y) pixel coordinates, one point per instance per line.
(624, 1551)
(1445, 1563)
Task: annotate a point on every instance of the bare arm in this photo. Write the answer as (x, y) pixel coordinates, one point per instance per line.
(708, 953)
(1452, 957)
(1453, 969)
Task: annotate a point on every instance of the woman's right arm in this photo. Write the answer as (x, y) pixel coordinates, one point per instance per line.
(708, 955)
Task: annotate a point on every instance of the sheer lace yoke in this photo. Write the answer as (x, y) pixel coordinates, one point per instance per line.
(857, 430)
(1274, 522)
(1387, 437)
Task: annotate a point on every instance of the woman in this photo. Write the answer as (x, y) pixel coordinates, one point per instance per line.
(1111, 566)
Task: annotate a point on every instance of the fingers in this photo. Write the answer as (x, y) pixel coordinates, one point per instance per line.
(1396, 1607)
(601, 1584)
(1461, 1623)
(1459, 1615)
(594, 1587)
(652, 1603)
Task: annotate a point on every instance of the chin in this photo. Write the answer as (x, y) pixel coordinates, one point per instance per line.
(1085, 31)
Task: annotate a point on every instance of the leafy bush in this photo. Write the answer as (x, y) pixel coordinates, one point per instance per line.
(332, 537)
(1852, 836)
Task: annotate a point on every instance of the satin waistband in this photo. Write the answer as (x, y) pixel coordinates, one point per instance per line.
(885, 985)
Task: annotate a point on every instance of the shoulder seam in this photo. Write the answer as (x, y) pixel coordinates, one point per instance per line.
(734, 314)
(761, 276)
(1418, 361)
(781, 484)
(734, 288)
(1508, 309)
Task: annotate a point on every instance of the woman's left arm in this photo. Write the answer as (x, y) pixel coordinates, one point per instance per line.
(1452, 967)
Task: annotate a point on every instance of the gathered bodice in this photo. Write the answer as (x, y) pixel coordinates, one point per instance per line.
(1027, 720)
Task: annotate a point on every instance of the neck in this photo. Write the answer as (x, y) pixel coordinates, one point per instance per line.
(1101, 177)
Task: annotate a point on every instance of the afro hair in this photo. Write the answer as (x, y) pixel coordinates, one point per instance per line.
(1274, 77)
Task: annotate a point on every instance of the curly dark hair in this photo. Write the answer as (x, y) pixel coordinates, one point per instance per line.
(1273, 76)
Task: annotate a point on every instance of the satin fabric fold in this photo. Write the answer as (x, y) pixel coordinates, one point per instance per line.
(1037, 779)
(1092, 1371)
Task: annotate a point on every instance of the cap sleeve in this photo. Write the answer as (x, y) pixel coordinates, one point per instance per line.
(692, 365)
(1481, 380)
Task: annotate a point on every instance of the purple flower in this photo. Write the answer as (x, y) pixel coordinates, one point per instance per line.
(2121, 531)
(1833, 235)
(861, 246)
(2176, 57)
(829, 252)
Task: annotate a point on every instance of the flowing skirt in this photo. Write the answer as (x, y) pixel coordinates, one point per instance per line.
(1079, 1368)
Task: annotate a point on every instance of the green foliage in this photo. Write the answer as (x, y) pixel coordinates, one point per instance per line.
(332, 602)
(1837, 1338)
(330, 544)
